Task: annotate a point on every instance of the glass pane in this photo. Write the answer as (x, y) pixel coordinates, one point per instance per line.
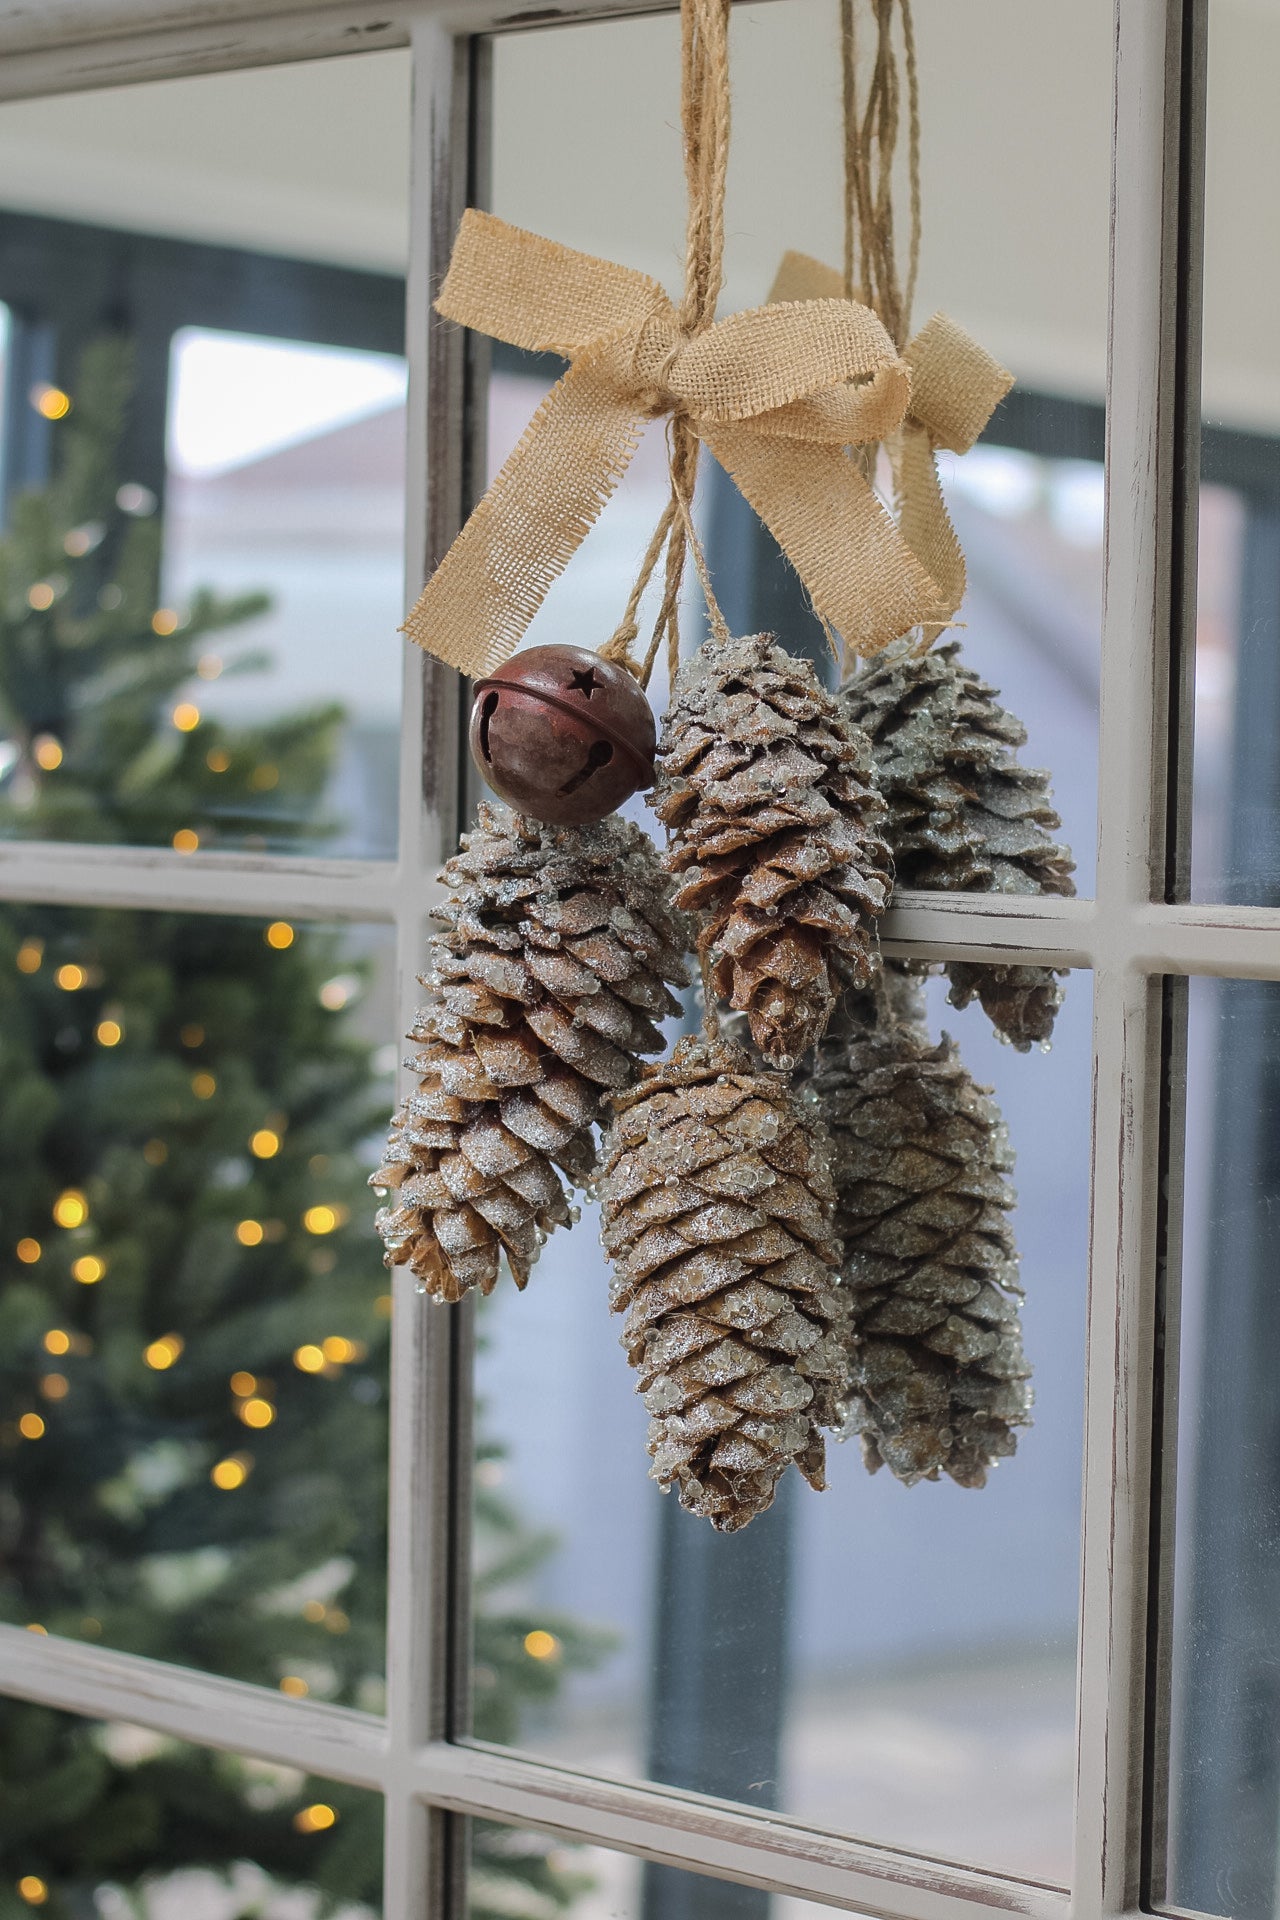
(893, 1661)
(1224, 1819)
(1236, 792)
(204, 466)
(113, 1821)
(597, 165)
(515, 1873)
(193, 1330)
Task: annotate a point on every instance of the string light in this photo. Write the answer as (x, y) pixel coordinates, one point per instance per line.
(109, 1033)
(295, 1686)
(208, 666)
(30, 956)
(55, 1386)
(308, 1359)
(232, 1472)
(185, 840)
(243, 1384)
(164, 621)
(186, 718)
(249, 1233)
(31, 1887)
(256, 1412)
(70, 978)
(314, 1819)
(217, 760)
(31, 1426)
(56, 1341)
(41, 596)
(28, 1251)
(191, 1035)
(279, 935)
(48, 752)
(50, 402)
(264, 1144)
(335, 993)
(323, 1219)
(341, 1352)
(88, 1269)
(155, 1153)
(82, 540)
(33, 1626)
(264, 777)
(541, 1645)
(383, 1304)
(162, 1353)
(203, 1085)
(71, 1209)
(336, 1621)
(315, 1611)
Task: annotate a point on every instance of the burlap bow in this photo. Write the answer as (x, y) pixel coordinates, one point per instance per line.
(955, 388)
(777, 393)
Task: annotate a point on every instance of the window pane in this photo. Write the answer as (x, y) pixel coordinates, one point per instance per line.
(514, 1873)
(1236, 794)
(112, 1820)
(598, 166)
(204, 458)
(892, 1661)
(193, 1329)
(1224, 1838)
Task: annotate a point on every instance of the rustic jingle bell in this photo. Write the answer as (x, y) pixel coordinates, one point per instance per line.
(562, 734)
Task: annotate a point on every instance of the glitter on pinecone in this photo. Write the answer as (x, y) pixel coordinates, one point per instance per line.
(769, 798)
(549, 976)
(964, 815)
(920, 1158)
(717, 1210)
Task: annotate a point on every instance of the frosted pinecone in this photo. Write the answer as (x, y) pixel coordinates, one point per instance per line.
(717, 1211)
(549, 977)
(964, 815)
(921, 1160)
(774, 824)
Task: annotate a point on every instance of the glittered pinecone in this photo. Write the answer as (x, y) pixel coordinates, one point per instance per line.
(964, 815)
(548, 977)
(920, 1159)
(717, 1206)
(769, 800)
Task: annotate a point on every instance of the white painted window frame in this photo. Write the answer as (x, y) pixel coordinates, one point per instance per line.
(1136, 931)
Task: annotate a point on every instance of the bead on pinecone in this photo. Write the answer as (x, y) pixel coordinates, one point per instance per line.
(555, 961)
(774, 825)
(717, 1212)
(964, 815)
(920, 1159)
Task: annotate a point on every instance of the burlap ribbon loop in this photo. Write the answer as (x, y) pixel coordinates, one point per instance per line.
(777, 394)
(956, 386)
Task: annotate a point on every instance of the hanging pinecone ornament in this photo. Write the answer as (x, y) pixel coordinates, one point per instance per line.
(774, 826)
(555, 962)
(964, 814)
(920, 1160)
(717, 1209)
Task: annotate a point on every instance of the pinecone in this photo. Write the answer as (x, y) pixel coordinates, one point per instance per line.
(717, 1206)
(550, 975)
(920, 1157)
(964, 815)
(769, 799)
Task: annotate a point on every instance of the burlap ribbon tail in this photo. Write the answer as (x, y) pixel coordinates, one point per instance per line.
(955, 388)
(777, 393)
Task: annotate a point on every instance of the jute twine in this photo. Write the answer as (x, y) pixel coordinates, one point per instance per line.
(955, 385)
(779, 394)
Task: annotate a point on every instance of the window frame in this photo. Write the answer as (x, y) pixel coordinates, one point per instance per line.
(1137, 935)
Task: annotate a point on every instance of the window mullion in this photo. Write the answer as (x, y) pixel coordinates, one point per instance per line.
(427, 1391)
(1133, 764)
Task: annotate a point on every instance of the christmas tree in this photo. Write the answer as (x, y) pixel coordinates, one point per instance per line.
(193, 1321)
